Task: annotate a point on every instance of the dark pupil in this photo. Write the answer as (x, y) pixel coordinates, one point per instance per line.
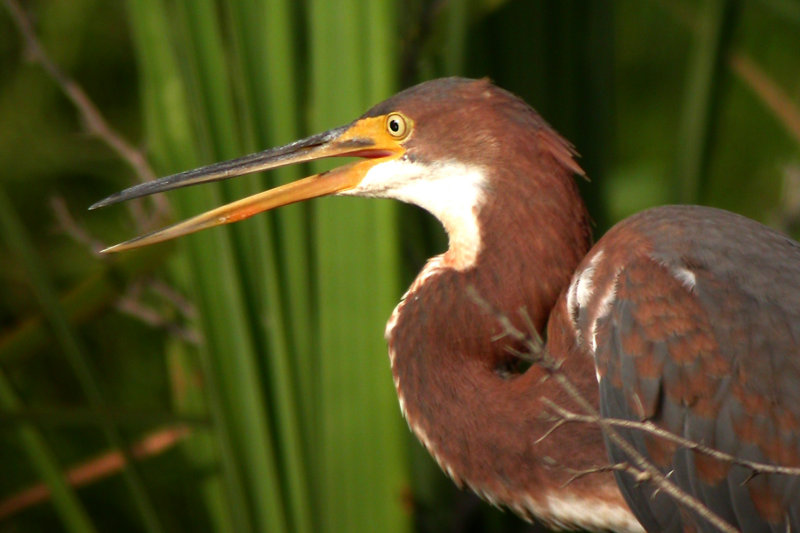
(394, 125)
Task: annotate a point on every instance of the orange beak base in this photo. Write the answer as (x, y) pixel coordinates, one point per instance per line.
(365, 138)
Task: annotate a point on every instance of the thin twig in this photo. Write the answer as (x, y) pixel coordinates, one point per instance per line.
(97, 468)
(67, 223)
(773, 96)
(178, 300)
(89, 113)
(97, 126)
(639, 463)
(565, 415)
(552, 429)
(637, 474)
(92, 118)
(131, 304)
(743, 66)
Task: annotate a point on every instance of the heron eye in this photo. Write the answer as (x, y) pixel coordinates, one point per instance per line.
(397, 126)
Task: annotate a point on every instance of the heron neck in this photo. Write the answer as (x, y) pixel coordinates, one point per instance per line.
(457, 388)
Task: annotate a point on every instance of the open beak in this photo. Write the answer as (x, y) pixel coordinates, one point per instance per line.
(366, 137)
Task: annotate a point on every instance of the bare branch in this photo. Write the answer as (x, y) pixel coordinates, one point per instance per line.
(773, 96)
(98, 468)
(618, 467)
(565, 416)
(178, 300)
(557, 424)
(641, 468)
(751, 74)
(93, 120)
(131, 304)
(70, 227)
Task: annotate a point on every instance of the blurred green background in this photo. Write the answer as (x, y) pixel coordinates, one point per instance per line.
(243, 370)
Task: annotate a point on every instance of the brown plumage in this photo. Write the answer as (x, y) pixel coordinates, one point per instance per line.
(477, 419)
(685, 316)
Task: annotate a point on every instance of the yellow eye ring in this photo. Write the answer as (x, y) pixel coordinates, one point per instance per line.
(397, 125)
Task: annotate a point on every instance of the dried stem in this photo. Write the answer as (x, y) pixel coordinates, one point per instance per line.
(640, 467)
(618, 467)
(564, 416)
(752, 75)
(92, 118)
(67, 223)
(98, 468)
(175, 298)
(131, 304)
(773, 96)
(97, 126)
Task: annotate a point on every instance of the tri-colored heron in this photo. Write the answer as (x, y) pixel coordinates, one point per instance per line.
(686, 316)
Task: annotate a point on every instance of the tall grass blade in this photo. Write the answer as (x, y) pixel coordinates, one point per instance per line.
(297, 371)
(69, 508)
(279, 113)
(457, 19)
(237, 401)
(87, 299)
(16, 237)
(253, 71)
(715, 25)
(363, 468)
(189, 398)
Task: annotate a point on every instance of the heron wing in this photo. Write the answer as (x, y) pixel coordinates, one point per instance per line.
(691, 346)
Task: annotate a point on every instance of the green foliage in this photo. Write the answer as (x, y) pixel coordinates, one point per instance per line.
(275, 360)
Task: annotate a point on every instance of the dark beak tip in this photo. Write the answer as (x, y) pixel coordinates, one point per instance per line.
(109, 200)
(101, 203)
